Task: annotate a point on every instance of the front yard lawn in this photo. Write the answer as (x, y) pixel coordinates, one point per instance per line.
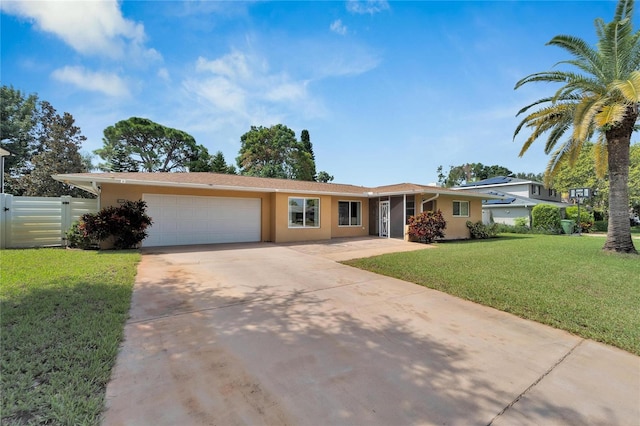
(62, 314)
(567, 282)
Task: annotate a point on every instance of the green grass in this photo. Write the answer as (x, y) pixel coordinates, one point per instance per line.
(566, 282)
(62, 314)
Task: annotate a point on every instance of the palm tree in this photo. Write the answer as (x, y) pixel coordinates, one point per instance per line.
(600, 96)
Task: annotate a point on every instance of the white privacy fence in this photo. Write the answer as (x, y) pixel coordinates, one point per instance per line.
(39, 221)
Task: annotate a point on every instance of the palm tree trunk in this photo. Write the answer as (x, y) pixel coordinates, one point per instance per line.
(618, 143)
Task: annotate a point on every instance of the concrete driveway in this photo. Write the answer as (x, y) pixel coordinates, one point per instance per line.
(271, 334)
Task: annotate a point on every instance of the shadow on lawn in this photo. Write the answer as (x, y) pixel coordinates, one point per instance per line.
(59, 342)
(261, 355)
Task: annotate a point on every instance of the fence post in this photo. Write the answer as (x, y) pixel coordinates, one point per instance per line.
(5, 220)
(65, 217)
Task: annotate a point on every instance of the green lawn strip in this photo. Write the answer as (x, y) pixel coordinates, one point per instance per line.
(62, 314)
(567, 282)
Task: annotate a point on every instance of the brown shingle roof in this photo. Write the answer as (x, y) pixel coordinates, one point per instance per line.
(237, 182)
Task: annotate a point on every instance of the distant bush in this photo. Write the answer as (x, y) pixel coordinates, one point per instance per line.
(586, 218)
(546, 219)
(601, 225)
(126, 224)
(513, 229)
(427, 226)
(480, 231)
(521, 221)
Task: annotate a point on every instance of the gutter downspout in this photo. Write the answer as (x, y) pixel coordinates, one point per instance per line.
(97, 189)
(427, 200)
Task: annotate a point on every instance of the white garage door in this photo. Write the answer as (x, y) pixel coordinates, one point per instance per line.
(181, 220)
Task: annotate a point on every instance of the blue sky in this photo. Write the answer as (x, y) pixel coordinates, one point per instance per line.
(388, 90)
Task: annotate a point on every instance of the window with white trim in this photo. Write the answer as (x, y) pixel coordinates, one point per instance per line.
(349, 213)
(304, 212)
(461, 209)
(410, 209)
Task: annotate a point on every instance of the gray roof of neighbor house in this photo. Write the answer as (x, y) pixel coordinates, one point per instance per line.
(510, 200)
(497, 180)
(91, 181)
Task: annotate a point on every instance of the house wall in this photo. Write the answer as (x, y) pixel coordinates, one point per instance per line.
(506, 215)
(457, 226)
(284, 234)
(111, 193)
(349, 231)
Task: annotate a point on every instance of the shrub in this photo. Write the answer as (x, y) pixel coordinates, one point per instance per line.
(586, 218)
(480, 231)
(521, 221)
(546, 218)
(126, 224)
(503, 227)
(76, 237)
(601, 225)
(427, 226)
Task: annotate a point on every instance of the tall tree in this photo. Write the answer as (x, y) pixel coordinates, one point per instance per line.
(536, 177)
(307, 147)
(58, 142)
(151, 146)
(470, 172)
(18, 118)
(219, 164)
(121, 161)
(274, 152)
(582, 174)
(600, 96)
(324, 177)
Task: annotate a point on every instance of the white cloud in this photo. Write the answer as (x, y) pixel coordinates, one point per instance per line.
(287, 92)
(90, 27)
(240, 87)
(163, 73)
(224, 94)
(107, 83)
(363, 7)
(338, 27)
(233, 66)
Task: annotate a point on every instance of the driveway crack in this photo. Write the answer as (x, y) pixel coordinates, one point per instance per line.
(538, 380)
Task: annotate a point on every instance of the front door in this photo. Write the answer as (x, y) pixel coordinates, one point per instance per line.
(384, 219)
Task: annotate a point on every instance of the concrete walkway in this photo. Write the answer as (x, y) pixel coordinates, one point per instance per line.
(283, 335)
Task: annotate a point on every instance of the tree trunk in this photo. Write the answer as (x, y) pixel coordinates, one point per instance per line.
(618, 143)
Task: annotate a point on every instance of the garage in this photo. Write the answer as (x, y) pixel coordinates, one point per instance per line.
(185, 219)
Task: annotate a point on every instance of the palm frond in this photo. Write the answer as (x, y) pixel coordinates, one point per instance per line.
(630, 88)
(610, 115)
(555, 136)
(624, 9)
(600, 155)
(547, 76)
(617, 42)
(583, 116)
(557, 158)
(587, 58)
(543, 120)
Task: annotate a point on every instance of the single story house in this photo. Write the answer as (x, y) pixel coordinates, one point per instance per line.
(206, 208)
(517, 198)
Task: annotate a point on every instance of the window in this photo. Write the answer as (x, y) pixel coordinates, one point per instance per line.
(349, 213)
(411, 209)
(304, 212)
(535, 189)
(461, 208)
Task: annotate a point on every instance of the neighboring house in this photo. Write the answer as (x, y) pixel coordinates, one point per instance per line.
(205, 208)
(517, 198)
